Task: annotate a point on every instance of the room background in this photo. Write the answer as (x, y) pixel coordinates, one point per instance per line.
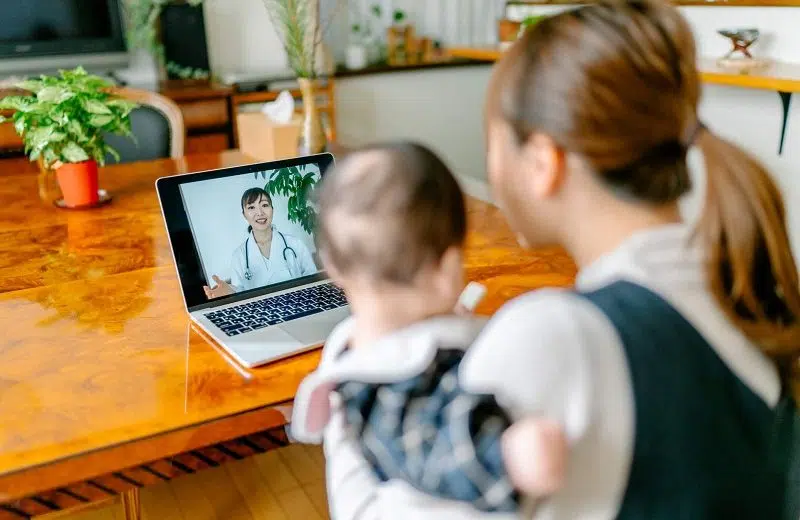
(443, 108)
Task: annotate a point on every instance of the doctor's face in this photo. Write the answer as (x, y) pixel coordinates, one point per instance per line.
(258, 214)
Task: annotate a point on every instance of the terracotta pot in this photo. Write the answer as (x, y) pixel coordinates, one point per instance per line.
(78, 183)
(508, 30)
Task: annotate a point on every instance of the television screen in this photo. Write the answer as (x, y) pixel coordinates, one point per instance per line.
(50, 20)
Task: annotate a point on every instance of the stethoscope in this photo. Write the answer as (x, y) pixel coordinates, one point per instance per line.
(248, 274)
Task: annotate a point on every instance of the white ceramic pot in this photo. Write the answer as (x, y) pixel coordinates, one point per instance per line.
(143, 71)
(357, 57)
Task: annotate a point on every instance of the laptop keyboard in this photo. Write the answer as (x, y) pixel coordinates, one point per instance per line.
(277, 309)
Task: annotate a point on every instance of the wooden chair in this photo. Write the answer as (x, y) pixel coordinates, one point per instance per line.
(156, 118)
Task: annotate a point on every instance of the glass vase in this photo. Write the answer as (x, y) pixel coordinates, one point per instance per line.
(312, 134)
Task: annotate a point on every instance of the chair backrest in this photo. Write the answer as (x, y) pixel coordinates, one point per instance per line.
(157, 124)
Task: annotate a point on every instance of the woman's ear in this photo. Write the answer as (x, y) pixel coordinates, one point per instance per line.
(546, 162)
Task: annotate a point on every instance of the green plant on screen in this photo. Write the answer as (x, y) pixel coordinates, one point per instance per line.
(296, 183)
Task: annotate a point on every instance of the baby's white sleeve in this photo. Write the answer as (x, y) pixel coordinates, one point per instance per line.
(352, 484)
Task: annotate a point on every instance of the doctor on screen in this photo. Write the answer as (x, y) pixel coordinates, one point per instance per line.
(267, 256)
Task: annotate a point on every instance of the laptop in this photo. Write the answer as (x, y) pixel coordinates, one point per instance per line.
(243, 243)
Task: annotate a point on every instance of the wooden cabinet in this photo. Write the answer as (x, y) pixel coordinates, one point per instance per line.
(206, 111)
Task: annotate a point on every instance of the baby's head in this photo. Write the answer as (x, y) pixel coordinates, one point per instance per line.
(392, 224)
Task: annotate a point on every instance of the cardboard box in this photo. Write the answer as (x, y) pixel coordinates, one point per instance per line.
(262, 139)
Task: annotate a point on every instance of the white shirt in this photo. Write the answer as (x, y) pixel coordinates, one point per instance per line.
(552, 352)
(286, 261)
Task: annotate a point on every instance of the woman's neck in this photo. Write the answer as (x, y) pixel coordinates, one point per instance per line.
(607, 230)
(263, 236)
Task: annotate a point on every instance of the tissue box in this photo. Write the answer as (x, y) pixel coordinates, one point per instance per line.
(265, 140)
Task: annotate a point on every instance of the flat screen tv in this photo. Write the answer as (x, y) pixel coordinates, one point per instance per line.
(46, 35)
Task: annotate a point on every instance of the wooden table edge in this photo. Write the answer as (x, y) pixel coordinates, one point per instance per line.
(103, 461)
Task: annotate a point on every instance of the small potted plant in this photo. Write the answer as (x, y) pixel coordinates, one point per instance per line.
(62, 124)
(398, 38)
(529, 22)
(357, 53)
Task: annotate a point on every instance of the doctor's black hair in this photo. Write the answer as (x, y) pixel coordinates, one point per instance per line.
(254, 195)
(389, 210)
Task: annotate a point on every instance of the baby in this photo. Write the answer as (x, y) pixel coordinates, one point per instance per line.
(392, 226)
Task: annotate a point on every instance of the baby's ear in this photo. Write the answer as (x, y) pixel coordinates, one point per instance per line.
(449, 273)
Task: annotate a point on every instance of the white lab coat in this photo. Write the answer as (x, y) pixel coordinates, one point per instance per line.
(275, 269)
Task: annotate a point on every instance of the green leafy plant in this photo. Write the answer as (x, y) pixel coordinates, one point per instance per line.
(297, 183)
(65, 117)
(399, 16)
(529, 22)
(142, 18)
(182, 72)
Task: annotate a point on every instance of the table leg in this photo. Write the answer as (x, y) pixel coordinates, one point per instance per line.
(131, 504)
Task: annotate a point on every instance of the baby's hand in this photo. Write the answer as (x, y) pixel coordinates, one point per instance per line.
(535, 455)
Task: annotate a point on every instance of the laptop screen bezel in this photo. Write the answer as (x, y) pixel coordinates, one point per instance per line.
(184, 249)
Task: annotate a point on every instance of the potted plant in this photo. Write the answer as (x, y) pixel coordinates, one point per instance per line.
(398, 38)
(508, 31)
(529, 22)
(299, 26)
(62, 123)
(149, 62)
(357, 57)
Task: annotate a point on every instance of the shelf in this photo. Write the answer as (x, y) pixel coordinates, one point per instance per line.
(783, 78)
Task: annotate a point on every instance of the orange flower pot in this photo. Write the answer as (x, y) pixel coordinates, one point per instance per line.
(508, 30)
(78, 182)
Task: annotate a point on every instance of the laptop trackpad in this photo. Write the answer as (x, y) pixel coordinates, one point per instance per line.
(315, 329)
(262, 346)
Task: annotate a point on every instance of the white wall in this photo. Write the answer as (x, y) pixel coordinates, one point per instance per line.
(442, 108)
(241, 37)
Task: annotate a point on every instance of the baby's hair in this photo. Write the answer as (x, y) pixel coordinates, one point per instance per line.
(388, 211)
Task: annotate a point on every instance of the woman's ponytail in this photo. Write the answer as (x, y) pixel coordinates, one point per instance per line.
(751, 269)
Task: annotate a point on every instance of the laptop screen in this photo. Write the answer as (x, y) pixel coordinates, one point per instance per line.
(251, 229)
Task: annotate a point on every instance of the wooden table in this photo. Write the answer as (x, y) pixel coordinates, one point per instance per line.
(783, 78)
(104, 386)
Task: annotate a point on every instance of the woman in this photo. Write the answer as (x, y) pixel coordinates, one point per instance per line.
(670, 368)
(267, 256)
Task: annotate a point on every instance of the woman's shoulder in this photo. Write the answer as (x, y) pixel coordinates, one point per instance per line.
(239, 250)
(550, 312)
(541, 351)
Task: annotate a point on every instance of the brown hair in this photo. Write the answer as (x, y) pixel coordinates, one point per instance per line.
(389, 210)
(615, 83)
